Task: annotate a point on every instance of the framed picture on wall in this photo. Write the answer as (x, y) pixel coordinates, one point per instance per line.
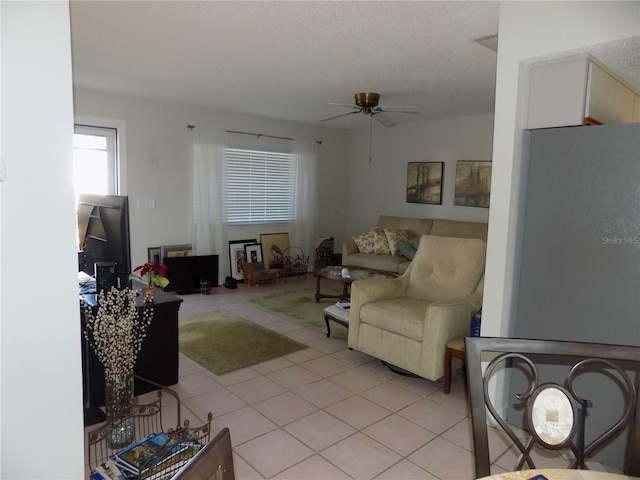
(253, 253)
(424, 182)
(473, 183)
(237, 258)
(172, 251)
(274, 246)
(154, 254)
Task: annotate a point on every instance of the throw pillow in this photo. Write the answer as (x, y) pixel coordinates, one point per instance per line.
(365, 242)
(415, 243)
(394, 237)
(373, 241)
(381, 243)
(407, 250)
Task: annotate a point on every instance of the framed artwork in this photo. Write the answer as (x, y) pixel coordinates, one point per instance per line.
(154, 254)
(473, 183)
(170, 251)
(236, 257)
(253, 253)
(274, 246)
(424, 182)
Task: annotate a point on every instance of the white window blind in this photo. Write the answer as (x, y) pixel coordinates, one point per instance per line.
(259, 186)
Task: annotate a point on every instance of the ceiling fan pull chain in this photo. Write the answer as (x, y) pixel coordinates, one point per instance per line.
(370, 135)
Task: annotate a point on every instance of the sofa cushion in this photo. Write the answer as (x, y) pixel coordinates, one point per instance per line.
(415, 226)
(446, 268)
(454, 228)
(404, 266)
(404, 316)
(394, 237)
(386, 263)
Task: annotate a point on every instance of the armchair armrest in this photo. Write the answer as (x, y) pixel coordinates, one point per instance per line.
(443, 322)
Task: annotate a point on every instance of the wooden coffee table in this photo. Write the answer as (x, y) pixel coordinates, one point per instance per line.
(334, 274)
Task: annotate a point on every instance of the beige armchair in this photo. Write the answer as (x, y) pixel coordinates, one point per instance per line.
(407, 321)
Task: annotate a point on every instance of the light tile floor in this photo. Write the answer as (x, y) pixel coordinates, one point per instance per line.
(327, 412)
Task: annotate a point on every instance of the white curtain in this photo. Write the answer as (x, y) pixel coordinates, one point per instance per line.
(208, 152)
(301, 228)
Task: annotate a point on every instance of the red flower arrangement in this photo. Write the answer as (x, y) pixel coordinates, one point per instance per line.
(156, 274)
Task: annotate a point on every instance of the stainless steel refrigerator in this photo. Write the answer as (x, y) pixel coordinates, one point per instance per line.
(580, 258)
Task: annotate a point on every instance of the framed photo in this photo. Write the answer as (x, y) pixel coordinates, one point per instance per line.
(473, 183)
(424, 182)
(275, 245)
(170, 251)
(154, 254)
(236, 257)
(253, 253)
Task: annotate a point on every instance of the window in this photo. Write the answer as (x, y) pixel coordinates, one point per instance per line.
(259, 186)
(95, 163)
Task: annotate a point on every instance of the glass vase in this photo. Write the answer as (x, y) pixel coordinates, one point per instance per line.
(119, 409)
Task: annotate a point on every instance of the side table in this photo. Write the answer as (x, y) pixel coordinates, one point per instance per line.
(455, 348)
(338, 315)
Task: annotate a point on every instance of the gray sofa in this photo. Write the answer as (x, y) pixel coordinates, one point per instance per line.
(416, 227)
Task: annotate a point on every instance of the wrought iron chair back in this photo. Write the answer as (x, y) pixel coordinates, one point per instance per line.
(561, 424)
(213, 462)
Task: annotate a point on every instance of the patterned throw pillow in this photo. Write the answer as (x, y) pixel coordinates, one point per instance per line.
(394, 237)
(374, 241)
(366, 242)
(382, 244)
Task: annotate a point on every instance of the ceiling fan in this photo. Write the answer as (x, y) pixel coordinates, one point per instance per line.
(367, 103)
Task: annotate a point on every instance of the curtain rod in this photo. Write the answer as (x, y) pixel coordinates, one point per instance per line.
(319, 142)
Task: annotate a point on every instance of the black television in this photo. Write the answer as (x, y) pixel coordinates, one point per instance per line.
(103, 234)
(186, 273)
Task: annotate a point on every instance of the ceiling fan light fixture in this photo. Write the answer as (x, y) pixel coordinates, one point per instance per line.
(367, 103)
(367, 99)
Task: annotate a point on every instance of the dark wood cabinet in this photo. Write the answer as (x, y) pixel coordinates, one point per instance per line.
(157, 360)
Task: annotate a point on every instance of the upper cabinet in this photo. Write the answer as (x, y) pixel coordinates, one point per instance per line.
(578, 91)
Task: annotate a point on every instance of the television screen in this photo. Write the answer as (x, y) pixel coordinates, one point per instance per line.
(103, 234)
(185, 273)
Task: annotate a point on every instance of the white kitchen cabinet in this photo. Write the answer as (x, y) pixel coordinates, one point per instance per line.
(576, 91)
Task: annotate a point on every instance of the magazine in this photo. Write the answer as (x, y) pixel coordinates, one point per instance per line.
(156, 451)
(170, 464)
(145, 453)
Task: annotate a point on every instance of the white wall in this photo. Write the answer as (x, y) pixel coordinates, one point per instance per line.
(158, 165)
(41, 402)
(379, 187)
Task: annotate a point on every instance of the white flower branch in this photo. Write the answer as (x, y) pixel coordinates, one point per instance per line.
(116, 331)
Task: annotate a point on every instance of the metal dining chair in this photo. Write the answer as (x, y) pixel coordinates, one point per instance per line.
(213, 462)
(546, 379)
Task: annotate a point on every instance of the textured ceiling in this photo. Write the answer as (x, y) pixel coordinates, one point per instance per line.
(288, 60)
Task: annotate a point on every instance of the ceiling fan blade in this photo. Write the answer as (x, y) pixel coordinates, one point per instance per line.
(339, 115)
(344, 105)
(399, 109)
(385, 120)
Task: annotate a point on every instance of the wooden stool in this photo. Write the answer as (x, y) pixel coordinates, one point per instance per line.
(455, 348)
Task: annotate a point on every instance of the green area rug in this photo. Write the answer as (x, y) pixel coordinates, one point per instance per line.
(222, 342)
(300, 307)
